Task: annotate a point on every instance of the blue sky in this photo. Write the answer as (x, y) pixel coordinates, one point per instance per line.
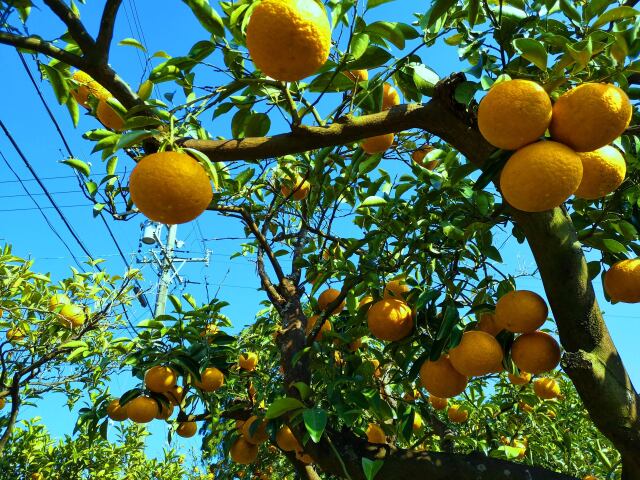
(174, 30)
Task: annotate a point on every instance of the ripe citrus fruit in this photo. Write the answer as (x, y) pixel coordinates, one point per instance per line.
(210, 331)
(301, 188)
(56, 301)
(165, 411)
(355, 345)
(546, 388)
(160, 379)
(622, 281)
(439, 378)
(211, 379)
(417, 421)
(289, 39)
(142, 409)
(535, 352)
(589, 477)
(14, 335)
(116, 412)
(419, 155)
(514, 113)
(248, 361)
(259, 434)
(438, 403)
(311, 322)
(87, 86)
(521, 446)
(329, 296)
(478, 353)
(377, 371)
(390, 97)
(170, 187)
(357, 75)
(377, 144)
(375, 434)
(243, 452)
(109, 117)
(72, 316)
(521, 311)
(3, 403)
(520, 379)
(390, 319)
(175, 395)
(603, 171)
(286, 440)
(590, 116)
(304, 457)
(187, 429)
(458, 414)
(396, 289)
(365, 301)
(540, 176)
(487, 323)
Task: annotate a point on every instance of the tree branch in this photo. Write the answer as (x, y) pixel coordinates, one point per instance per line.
(74, 25)
(15, 407)
(36, 44)
(105, 35)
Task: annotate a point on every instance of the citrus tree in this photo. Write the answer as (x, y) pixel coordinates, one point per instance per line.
(392, 215)
(57, 337)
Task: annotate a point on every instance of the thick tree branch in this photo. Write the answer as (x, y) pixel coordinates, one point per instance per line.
(74, 25)
(36, 44)
(15, 408)
(105, 35)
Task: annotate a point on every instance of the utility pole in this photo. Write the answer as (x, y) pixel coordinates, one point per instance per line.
(165, 271)
(164, 258)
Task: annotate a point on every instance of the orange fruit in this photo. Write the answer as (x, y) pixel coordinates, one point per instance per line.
(439, 378)
(622, 281)
(311, 322)
(142, 409)
(521, 311)
(160, 379)
(477, 354)
(243, 452)
(390, 97)
(211, 379)
(521, 446)
(72, 316)
(288, 39)
(357, 75)
(259, 435)
(377, 371)
(457, 414)
(375, 434)
(589, 477)
(301, 189)
(187, 429)
(355, 345)
(367, 300)
(417, 421)
(590, 116)
(165, 411)
(487, 323)
(525, 407)
(248, 361)
(175, 395)
(87, 86)
(419, 155)
(3, 403)
(57, 301)
(603, 171)
(329, 296)
(170, 187)
(109, 116)
(286, 440)
(438, 403)
(304, 458)
(390, 319)
(535, 352)
(514, 113)
(546, 388)
(116, 412)
(377, 144)
(210, 331)
(396, 289)
(14, 335)
(540, 176)
(520, 379)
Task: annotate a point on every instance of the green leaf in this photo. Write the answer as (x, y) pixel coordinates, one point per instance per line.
(450, 319)
(303, 389)
(425, 79)
(257, 125)
(133, 138)
(144, 92)
(78, 165)
(618, 13)
(371, 467)
(377, 3)
(439, 8)
(58, 82)
(132, 42)
(315, 419)
(472, 11)
(395, 32)
(280, 406)
(533, 51)
(613, 246)
(373, 57)
(570, 11)
(207, 16)
(359, 45)
(372, 201)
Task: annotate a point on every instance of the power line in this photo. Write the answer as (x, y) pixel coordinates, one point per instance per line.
(46, 219)
(57, 177)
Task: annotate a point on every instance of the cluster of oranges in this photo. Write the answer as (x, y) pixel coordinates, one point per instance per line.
(85, 87)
